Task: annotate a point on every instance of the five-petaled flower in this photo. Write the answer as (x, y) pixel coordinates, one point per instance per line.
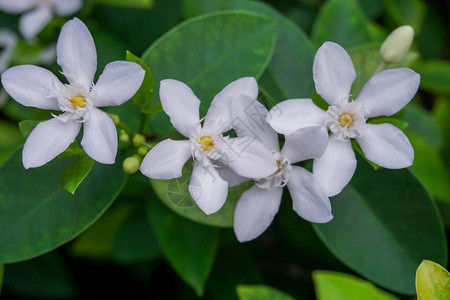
(383, 95)
(78, 100)
(38, 12)
(217, 158)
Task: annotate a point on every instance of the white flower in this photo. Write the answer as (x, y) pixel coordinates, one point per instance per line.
(38, 12)
(257, 206)
(383, 95)
(37, 87)
(212, 152)
(8, 40)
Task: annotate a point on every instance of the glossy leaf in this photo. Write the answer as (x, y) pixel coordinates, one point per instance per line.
(174, 194)
(189, 247)
(127, 3)
(144, 96)
(432, 281)
(422, 123)
(75, 173)
(339, 286)
(260, 292)
(384, 225)
(434, 76)
(39, 216)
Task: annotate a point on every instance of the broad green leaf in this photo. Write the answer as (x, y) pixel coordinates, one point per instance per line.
(189, 247)
(144, 96)
(431, 39)
(27, 126)
(260, 292)
(441, 111)
(366, 60)
(174, 194)
(10, 139)
(432, 281)
(384, 225)
(434, 76)
(373, 8)
(44, 277)
(340, 286)
(407, 12)
(343, 22)
(209, 52)
(75, 173)
(422, 122)
(126, 3)
(39, 216)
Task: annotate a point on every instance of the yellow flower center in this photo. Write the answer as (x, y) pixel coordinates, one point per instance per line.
(279, 167)
(345, 120)
(78, 101)
(206, 143)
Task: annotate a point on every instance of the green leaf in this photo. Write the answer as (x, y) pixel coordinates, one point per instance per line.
(144, 96)
(174, 194)
(27, 126)
(384, 225)
(422, 122)
(441, 111)
(189, 247)
(434, 76)
(260, 292)
(209, 52)
(410, 12)
(26, 53)
(39, 216)
(75, 173)
(10, 139)
(127, 3)
(339, 286)
(343, 22)
(432, 281)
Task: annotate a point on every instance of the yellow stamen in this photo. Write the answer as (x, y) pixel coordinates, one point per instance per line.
(78, 101)
(279, 167)
(345, 120)
(206, 143)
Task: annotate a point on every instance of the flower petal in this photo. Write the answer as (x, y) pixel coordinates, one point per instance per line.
(166, 159)
(118, 83)
(32, 86)
(389, 91)
(219, 114)
(76, 53)
(255, 211)
(16, 6)
(207, 188)
(47, 140)
(333, 72)
(291, 115)
(32, 22)
(67, 7)
(387, 146)
(231, 177)
(181, 105)
(309, 199)
(305, 143)
(335, 168)
(100, 137)
(248, 157)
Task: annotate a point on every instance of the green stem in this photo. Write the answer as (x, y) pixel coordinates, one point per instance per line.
(142, 124)
(380, 67)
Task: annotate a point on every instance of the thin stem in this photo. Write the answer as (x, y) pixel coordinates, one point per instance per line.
(380, 67)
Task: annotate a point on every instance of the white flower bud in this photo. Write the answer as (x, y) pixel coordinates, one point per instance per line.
(397, 44)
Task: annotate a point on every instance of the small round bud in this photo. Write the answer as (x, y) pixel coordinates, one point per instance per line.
(124, 137)
(138, 140)
(143, 150)
(115, 119)
(131, 165)
(397, 44)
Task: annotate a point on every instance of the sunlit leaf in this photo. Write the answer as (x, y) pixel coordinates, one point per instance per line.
(432, 281)
(144, 96)
(260, 292)
(75, 173)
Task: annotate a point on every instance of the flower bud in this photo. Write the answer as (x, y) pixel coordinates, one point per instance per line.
(397, 44)
(124, 137)
(115, 118)
(131, 165)
(138, 140)
(142, 150)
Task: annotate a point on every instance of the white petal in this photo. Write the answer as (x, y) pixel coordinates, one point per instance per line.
(207, 188)
(389, 91)
(66, 7)
(32, 86)
(76, 53)
(181, 104)
(119, 82)
(249, 119)
(231, 177)
(219, 114)
(335, 168)
(309, 199)
(47, 140)
(32, 22)
(100, 137)
(16, 6)
(333, 72)
(387, 146)
(166, 159)
(291, 115)
(248, 157)
(255, 211)
(305, 143)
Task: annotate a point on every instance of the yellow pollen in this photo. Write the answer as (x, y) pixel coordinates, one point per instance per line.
(345, 120)
(279, 167)
(206, 143)
(78, 101)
